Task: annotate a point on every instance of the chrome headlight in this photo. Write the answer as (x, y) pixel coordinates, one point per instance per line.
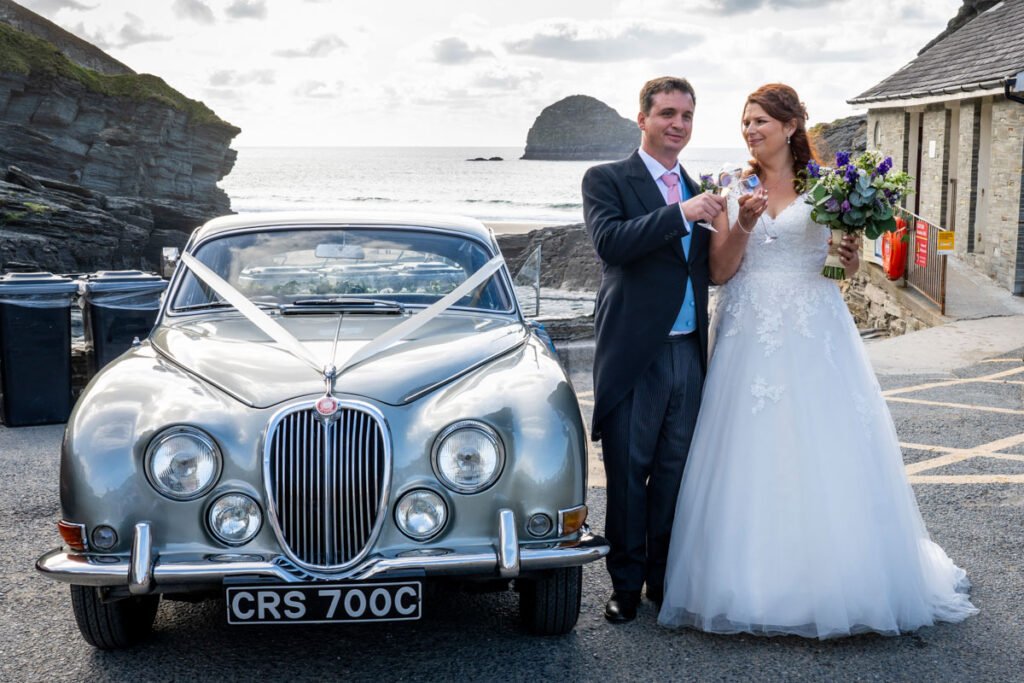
(183, 463)
(468, 456)
(421, 514)
(235, 518)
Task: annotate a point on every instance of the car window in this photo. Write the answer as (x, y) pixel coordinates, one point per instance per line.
(410, 267)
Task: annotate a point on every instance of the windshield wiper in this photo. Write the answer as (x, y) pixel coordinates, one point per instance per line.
(209, 305)
(347, 304)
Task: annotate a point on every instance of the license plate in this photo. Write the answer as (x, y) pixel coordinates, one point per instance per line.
(324, 603)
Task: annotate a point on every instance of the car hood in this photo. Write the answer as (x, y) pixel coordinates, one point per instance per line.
(233, 354)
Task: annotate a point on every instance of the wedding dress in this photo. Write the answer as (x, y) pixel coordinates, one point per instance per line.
(795, 515)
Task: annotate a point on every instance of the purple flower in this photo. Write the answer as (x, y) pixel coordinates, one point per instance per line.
(813, 169)
(832, 206)
(846, 205)
(884, 167)
(852, 174)
(842, 158)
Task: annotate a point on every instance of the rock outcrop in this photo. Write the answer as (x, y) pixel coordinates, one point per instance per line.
(581, 128)
(106, 168)
(568, 257)
(849, 134)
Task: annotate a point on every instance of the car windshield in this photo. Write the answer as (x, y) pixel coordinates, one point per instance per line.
(294, 268)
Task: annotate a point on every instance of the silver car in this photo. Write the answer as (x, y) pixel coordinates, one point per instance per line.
(330, 412)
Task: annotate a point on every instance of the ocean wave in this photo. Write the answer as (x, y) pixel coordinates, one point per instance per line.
(369, 199)
(569, 205)
(489, 201)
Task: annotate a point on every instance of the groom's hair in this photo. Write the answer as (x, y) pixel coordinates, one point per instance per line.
(663, 84)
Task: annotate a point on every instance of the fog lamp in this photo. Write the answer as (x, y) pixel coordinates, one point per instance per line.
(235, 518)
(421, 514)
(104, 537)
(539, 525)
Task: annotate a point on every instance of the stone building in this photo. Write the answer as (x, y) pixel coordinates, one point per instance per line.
(954, 119)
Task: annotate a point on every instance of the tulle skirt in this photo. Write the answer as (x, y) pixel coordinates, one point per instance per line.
(795, 515)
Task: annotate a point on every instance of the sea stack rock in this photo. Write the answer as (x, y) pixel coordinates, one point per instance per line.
(581, 128)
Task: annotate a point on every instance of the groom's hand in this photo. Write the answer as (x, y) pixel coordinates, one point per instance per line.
(703, 207)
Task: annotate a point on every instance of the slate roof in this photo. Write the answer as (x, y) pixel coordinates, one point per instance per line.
(980, 55)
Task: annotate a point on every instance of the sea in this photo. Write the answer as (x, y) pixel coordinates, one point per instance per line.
(425, 179)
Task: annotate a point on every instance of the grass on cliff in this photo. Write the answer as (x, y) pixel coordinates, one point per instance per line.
(22, 53)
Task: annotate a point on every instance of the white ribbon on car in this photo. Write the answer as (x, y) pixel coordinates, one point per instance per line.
(379, 343)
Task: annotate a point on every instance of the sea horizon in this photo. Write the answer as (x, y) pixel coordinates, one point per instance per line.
(425, 179)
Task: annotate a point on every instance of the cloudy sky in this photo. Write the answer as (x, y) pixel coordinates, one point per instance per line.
(465, 72)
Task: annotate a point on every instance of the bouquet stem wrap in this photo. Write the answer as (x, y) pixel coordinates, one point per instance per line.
(833, 266)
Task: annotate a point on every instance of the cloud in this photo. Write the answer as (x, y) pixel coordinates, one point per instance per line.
(50, 7)
(601, 43)
(319, 90)
(227, 77)
(321, 47)
(504, 79)
(134, 33)
(195, 10)
(247, 9)
(731, 7)
(457, 51)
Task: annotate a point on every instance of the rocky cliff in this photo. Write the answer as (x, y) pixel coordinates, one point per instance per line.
(98, 170)
(849, 134)
(581, 128)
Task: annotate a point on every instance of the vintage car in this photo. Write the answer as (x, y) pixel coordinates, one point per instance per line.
(331, 412)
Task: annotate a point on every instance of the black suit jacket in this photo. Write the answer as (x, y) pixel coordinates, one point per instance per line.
(637, 237)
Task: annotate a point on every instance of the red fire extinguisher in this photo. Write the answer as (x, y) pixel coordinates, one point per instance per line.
(894, 251)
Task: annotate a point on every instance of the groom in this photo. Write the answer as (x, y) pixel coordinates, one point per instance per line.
(651, 325)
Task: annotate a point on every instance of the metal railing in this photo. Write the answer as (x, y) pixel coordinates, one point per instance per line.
(926, 268)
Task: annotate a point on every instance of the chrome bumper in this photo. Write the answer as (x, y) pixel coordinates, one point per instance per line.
(145, 571)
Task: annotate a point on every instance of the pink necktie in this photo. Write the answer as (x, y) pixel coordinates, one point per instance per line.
(672, 181)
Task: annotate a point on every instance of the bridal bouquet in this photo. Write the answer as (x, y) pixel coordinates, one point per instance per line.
(857, 196)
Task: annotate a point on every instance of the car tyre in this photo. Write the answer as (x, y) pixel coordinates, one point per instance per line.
(550, 605)
(116, 624)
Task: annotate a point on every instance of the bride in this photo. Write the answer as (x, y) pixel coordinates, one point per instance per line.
(795, 515)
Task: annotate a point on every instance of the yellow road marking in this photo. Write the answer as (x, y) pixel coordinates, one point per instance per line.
(954, 455)
(953, 382)
(967, 406)
(968, 479)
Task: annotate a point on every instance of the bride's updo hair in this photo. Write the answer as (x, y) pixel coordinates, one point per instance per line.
(782, 103)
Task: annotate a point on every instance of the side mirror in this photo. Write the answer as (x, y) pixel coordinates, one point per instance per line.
(168, 261)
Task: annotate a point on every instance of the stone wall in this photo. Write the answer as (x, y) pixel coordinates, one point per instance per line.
(988, 209)
(878, 304)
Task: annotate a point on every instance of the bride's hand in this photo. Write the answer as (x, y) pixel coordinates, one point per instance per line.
(751, 207)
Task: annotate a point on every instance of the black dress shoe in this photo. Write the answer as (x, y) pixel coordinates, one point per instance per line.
(655, 594)
(622, 606)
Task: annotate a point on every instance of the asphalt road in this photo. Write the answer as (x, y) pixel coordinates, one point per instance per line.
(963, 443)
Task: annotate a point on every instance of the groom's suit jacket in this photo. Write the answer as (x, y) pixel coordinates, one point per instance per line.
(637, 237)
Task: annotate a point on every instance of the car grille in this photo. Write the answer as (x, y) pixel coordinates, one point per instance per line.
(327, 480)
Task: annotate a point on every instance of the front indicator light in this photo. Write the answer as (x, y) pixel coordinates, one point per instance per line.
(421, 514)
(571, 520)
(235, 518)
(73, 535)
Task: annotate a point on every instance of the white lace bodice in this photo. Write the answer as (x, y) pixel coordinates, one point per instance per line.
(800, 247)
(779, 290)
